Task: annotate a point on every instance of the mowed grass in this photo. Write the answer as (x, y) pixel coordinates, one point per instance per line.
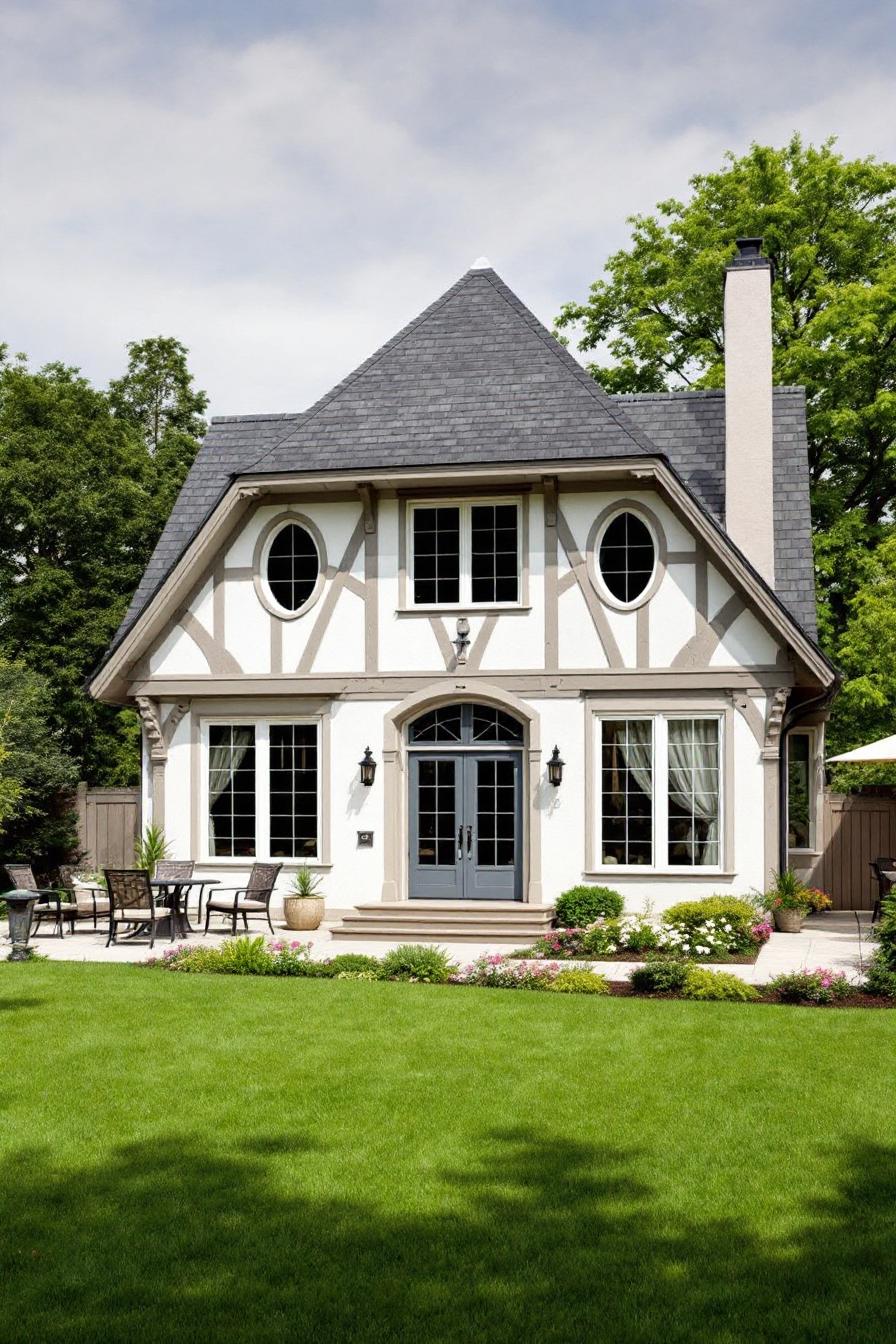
(214, 1158)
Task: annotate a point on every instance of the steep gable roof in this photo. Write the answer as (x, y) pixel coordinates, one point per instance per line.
(477, 379)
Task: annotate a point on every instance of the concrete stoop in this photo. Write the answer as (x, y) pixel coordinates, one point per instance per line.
(447, 921)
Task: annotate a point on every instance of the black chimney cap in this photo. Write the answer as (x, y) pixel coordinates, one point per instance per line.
(749, 253)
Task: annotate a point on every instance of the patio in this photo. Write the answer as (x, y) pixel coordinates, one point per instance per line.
(837, 939)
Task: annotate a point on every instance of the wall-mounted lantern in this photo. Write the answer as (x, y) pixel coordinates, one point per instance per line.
(555, 768)
(367, 766)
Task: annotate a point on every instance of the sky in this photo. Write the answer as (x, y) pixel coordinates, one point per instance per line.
(282, 186)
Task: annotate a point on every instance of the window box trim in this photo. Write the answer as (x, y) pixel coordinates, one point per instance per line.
(406, 507)
(593, 792)
(262, 723)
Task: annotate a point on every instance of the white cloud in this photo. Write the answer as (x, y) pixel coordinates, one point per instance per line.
(284, 202)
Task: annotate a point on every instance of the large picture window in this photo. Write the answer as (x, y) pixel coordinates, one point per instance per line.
(660, 792)
(263, 790)
(465, 554)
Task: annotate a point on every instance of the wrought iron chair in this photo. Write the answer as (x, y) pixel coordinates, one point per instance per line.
(133, 902)
(884, 871)
(179, 872)
(50, 906)
(253, 901)
(89, 901)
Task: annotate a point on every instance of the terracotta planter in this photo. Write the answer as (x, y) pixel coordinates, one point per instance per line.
(303, 912)
(788, 921)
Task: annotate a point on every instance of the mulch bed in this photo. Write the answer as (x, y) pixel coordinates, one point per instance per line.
(621, 989)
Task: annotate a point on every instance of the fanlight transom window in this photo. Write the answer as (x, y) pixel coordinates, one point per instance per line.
(626, 558)
(292, 567)
(466, 725)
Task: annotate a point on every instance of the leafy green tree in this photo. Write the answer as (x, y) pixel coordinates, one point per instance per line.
(37, 776)
(156, 395)
(829, 225)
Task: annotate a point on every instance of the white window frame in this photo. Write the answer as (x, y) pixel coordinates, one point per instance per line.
(812, 735)
(262, 725)
(466, 507)
(660, 746)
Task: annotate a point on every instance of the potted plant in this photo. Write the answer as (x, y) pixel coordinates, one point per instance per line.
(788, 902)
(303, 905)
(151, 849)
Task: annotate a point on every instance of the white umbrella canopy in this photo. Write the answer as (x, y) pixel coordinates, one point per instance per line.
(882, 750)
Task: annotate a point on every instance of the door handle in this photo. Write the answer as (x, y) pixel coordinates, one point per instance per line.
(460, 842)
(469, 841)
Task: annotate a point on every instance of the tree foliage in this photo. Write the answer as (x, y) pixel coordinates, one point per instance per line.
(87, 479)
(829, 225)
(37, 776)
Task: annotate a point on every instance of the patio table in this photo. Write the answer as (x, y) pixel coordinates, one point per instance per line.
(171, 893)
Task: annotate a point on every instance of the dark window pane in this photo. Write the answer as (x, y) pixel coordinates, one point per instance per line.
(436, 553)
(494, 559)
(293, 789)
(439, 725)
(627, 556)
(293, 566)
(627, 791)
(231, 789)
(798, 780)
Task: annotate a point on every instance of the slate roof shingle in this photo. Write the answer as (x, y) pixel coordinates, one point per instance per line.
(477, 379)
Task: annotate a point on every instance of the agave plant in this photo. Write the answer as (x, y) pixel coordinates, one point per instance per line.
(306, 884)
(152, 848)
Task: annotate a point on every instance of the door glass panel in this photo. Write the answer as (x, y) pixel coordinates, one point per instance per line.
(495, 814)
(437, 812)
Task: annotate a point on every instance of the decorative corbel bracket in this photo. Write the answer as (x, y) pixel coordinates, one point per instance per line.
(368, 504)
(773, 720)
(549, 485)
(149, 713)
(175, 714)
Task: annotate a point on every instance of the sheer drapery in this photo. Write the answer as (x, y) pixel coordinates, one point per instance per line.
(694, 782)
(637, 754)
(223, 762)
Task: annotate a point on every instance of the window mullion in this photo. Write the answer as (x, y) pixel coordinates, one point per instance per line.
(466, 555)
(661, 792)
(262, 789)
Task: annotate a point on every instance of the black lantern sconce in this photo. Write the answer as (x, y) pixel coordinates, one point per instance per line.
(368, 767)
(555, 768)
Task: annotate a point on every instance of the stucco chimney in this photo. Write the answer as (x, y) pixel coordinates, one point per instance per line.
(749, 470)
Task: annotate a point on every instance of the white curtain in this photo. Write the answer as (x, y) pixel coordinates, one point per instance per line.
(694, 781)
(639, 762)
(223, 763)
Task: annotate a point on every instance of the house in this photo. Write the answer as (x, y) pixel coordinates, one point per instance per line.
(571, 636)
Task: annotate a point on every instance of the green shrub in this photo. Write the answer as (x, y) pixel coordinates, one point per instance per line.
(638, 934)
(579, 982)
(357, 975)
(558, 945)
(712, 927)
(416, 961)
(700, 983)
(353, 962)
(602, 940)
(660, 975)
(818, 986)
(582, 905)
(881, 978)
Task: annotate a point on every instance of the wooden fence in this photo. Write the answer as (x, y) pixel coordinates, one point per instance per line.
(108, 825)
(856, 828)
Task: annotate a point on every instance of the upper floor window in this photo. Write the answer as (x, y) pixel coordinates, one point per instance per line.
(626, 557)
(465, 554)
(292, 567)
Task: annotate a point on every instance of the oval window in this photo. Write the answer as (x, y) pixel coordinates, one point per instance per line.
(627, 557)
(293, 566)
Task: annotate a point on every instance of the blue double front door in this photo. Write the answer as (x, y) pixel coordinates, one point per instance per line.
(465, 826)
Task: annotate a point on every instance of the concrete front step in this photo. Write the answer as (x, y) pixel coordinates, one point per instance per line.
(482, 921)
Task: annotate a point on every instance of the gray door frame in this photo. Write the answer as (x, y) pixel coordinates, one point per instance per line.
(465, 878)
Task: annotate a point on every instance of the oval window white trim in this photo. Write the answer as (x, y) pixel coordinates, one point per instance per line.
(266, 539)
(595, 540)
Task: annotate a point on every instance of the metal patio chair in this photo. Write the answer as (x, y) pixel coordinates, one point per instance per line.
(89, 901)
(50, 906)
(133, 903)
(179, 872)
(883, 869)
(253, 901)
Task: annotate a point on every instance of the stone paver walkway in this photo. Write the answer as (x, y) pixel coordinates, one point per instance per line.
(834, 940)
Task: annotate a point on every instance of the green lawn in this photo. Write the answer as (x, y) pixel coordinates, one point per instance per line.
(213, 1158)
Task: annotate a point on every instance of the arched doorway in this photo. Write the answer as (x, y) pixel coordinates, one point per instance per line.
(465, 803)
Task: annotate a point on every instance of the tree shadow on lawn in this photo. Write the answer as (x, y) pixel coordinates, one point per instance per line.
(546, 1240)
